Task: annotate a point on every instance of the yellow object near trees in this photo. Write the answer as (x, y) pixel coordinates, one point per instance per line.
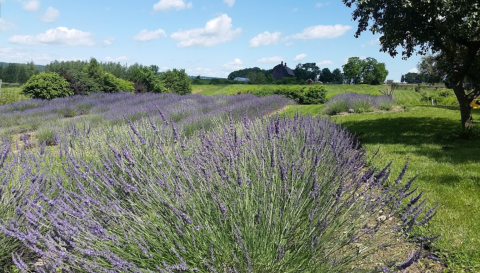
(475, 104)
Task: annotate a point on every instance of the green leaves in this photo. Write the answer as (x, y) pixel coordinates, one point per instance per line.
(46, 86)
(176, 81)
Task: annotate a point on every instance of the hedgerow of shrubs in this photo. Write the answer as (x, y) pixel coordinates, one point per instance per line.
(307, 94)
(46, 86)
(359, 103)
(92, 77)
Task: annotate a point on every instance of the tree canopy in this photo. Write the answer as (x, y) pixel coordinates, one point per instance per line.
(367, 71)
(243, 73)
(17, 73)
(176, 81)
(450, 29)
(412, 77)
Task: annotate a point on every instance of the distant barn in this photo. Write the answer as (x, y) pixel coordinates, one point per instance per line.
(281, 71)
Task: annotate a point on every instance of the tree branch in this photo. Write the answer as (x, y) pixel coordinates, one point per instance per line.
(474, 94)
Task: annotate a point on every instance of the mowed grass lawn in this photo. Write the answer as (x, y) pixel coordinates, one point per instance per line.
(447, 164)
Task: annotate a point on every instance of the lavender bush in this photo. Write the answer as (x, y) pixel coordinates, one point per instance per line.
(358, 102)
(272, 194)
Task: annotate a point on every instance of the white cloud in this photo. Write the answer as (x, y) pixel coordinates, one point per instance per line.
(163, 5)
(50, 15)
(146, 35)
(265, 38)
(321, 32)
(202, 71)
(275, 59)
(233, 65)
(6, 25)
(216, 31)
(324, 63)
(31, 5)
(20, 55)
(320, 4)
(108, 41)
(56, 36)
(413, 70)
(372, 42)
(116, 59)
(230, 3)
(300, 57)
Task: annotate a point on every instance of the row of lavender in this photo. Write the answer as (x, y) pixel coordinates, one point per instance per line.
(102, 108)
(273, 194)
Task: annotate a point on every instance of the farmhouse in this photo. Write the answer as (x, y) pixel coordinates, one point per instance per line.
(281, 71)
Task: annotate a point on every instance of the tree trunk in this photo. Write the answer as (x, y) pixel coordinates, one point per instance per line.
(465, 109)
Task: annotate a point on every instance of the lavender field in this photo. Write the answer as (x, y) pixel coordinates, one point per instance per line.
(169, 183)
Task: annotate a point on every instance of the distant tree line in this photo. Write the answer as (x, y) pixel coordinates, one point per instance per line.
(355, 71)
(18, 73)
(82, 78)
(303, 72)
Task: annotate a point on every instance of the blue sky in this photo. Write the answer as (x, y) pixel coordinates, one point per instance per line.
(205, 37)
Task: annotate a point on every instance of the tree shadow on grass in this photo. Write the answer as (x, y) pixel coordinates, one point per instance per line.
(419, 132)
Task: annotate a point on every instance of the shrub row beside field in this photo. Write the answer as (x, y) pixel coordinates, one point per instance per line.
(302, 94)
(272, 194)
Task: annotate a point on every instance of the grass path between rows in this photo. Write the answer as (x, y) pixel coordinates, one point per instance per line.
(447, 165)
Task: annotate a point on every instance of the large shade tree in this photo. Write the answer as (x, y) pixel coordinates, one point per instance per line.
(450, 28)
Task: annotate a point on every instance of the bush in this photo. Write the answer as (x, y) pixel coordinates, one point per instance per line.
(47, 136)
(145, 80)
(112, 84)
(177, 81)
(47, 86)
(80, 83)
(311, 94)
(358, 102)
(361, 106)
(385, 104)
(335, 107)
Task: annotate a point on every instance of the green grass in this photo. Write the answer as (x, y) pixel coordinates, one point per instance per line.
(9, 94)
(210, 90)
(403, 95)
